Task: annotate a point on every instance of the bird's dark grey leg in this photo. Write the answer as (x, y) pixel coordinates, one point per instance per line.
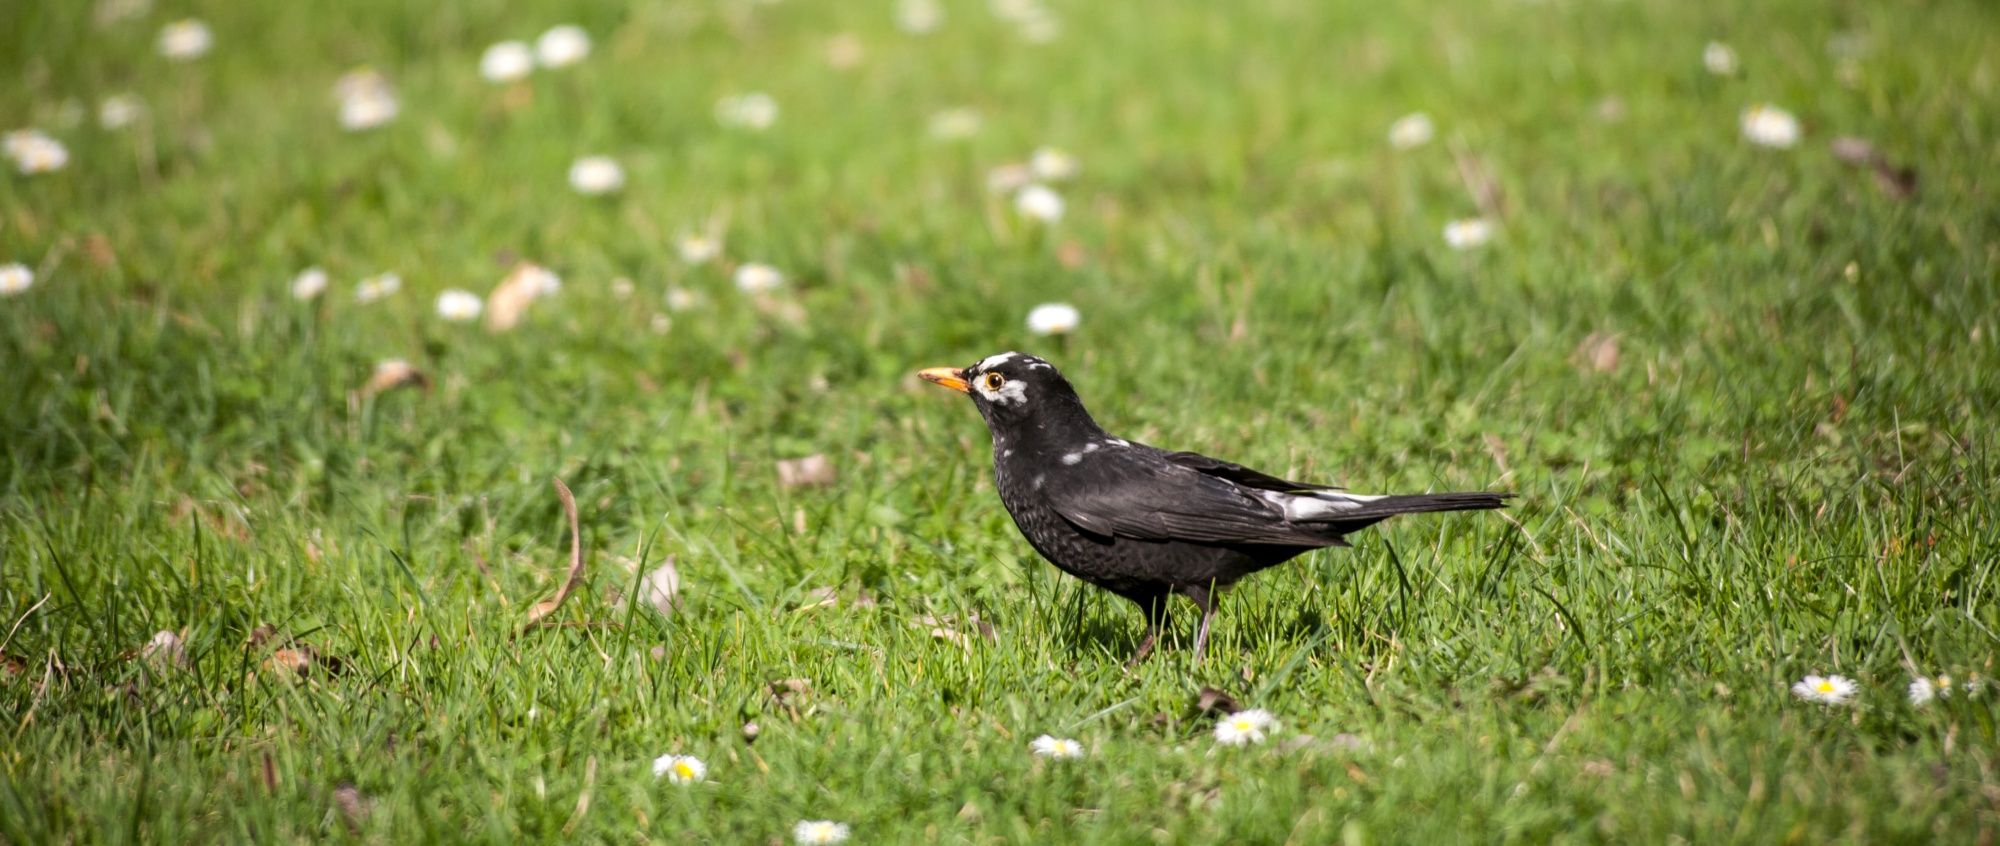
(1155, 606)
(1204, 598)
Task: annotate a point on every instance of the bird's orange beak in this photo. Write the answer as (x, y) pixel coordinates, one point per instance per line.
(950, 377)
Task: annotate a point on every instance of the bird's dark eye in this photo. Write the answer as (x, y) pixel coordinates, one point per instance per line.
(994, 381)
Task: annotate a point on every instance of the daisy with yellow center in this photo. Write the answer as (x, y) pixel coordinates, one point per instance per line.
(1244, 727)
(680, 769)
(1056, 747)
(1826, 690)
(819, 832)
(1923, 689)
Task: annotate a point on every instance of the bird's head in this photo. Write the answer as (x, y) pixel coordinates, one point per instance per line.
(1015, 391)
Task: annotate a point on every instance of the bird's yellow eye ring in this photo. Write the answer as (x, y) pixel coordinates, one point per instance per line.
(994, 381)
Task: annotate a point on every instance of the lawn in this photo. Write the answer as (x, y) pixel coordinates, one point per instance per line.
(1737, 388)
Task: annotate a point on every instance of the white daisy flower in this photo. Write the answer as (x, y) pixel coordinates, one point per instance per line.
(35, 151)
(15, 279)
(1468, 233)
(1053, 319)
(1039, 202)
(506, 61)
(1923, 689)
(754, 278)
(1056, 747)
(119, 111)
(622, 288)
(595, 175)
(562, 46)
(1769, 126)
(681, 299)
(1008, 178)
(755, 110)
(1041, 27)
(310, 283)
(1828, 690)
(376, 287)
(109, 12)
(185, 40)
(1411, 130)
(459, 306)
(680, 769)
(918, 17)
(1719, 59)
(819, 832)
(954, 124)
(1051, 164)
(699, 249)
(366, 99)
(1244, 727)
(1973, 684)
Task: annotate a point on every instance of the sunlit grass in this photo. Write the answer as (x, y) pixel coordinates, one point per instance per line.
(1745, 395)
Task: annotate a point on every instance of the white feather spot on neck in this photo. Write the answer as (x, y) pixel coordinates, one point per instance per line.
(1090, 447)
(1072, 458)
(1119, 442)
(1038, 481)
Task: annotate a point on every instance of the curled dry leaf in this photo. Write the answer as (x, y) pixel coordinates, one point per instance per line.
(662, 588)
(548, 606)
(261, 635)
(1897, 182)
(1598, 352)
(811, 470)
(165, 651)
(394, 373)
(1213, 700)
(509, 301)
(1854, 151)
(12, 665)
(347, 797)
(783, 691)
(289, 663)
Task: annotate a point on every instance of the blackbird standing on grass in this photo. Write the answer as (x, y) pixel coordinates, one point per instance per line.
(1142, 522)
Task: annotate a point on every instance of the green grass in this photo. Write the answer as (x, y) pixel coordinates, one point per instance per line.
(1790, 469)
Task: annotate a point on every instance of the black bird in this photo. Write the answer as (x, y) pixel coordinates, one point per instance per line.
(1142, 522)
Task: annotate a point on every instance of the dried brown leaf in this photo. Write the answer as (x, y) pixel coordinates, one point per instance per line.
(783, 691)
(394, 373)
(812, 470)
(348, 798)
(1213, 700)
(165, 651)
(1598, 352)
(1854, 151)
(548, 606)
(510, 299)
(289, 663)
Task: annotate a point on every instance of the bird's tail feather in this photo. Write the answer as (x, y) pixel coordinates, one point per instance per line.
(1377, 509)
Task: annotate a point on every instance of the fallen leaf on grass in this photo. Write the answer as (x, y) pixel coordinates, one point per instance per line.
(394, 373)
(1897, 182)
(812, 470)
(548, 606)
(165, 651)
(348, 798)
(1598, 352)
(946, 628)
(509, 301)
(662, 588)
(783, 691)
(1213, 700)
(289, 663)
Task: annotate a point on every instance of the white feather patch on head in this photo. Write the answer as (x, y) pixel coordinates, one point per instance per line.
(993, 361)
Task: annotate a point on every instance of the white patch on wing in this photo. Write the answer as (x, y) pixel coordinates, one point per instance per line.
(1317, 506)
(1119, 442)
(1072, 458)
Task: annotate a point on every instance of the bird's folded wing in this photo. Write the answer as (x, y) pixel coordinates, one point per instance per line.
(1240, 474)
(1149, 499)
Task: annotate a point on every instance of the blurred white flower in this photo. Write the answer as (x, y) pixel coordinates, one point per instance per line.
(844, 51)
(1040, 28)
(119, 111)
(754, 278)
(1243, 727)
(1924, 689)
(1039, 202)
(1052, 164)
(682, 299)
(310, 283)
(165, 651)
(562, 46)
(506, 61)
(819, 832)
(1053, 318)
(1769, 126)
(1468, 233)
(376, 287)
(185, 40)
(1411, 130)
(34, 151)
(622, 288)
(596, 175)
(1056, 747)
(15, 278)
(459, 306)
(109, 12)
(755, 110)
(661, 324)
(918, 17)
(699, 249)
(680, 769)
(1719, 59)
(366, 100)
(662, 587)
(953, 124)
(1828, 690)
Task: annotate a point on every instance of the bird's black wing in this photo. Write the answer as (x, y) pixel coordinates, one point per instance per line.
(1240, 474)
(1140, 493)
